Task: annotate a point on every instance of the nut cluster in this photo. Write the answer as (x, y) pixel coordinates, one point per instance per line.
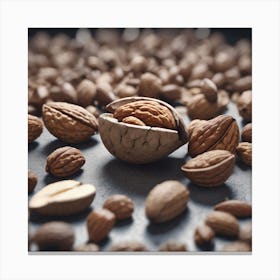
(146, 94)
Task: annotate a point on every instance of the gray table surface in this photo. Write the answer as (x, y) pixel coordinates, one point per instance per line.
(111, 176)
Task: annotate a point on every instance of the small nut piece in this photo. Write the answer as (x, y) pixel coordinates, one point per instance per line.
(209, 89)
(223, 223)
(200, 108)
(35, 128)
(141, 130)
(128, 246)
(68, 122)
(64, 161)
(237, 246)
(121, 205)
(150, 85)
(86, 92)
(62, 198)
(54, 236)
(203, 235)
(173, 246)
(244, 105)
(245, 233)
(166, 201)
(244, 151)
(99, 224)
(220, 133)
(210, 169)
(88, 247)
(32, 181)
(237, 208)
(246, 134)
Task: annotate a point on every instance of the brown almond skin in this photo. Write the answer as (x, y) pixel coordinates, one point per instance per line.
(237, 208)
(64, 161)
(173, 246)
(244, 151)
(88, 247)
(86, 92)
(121, 205)
(210, 169)
(245, 233)
(99, 224)
(68, 122)
(246, 134)
(32, 181)
(54, 236)
(166, 201)
(150, 85)
(223, 223)
(203, 235)
(237, 246)
(244, 105)
(209, 89)
(220, 133)
(128, 246)
(35, 128)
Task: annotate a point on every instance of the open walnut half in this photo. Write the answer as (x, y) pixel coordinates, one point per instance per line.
(141, 129)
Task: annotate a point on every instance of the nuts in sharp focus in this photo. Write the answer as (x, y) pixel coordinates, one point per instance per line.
(58, 236)
(88, 247)
(209, 89)
(62, 198)
(237, 246)
(121, 205)
(173, 246)
(166, 201)
(99, 224)
(244, 105)
(220, 133)
(150, 85)
(64, 161)
(223, 223)
(246, 134)
(68, 122)
(32, 181)
(244, 151)
(86, 92)
(210, 169)
(245, 233)
(128, 246)
(130, 140)
(203, 235)
(149, 112)
(237, 208)
(35, 128)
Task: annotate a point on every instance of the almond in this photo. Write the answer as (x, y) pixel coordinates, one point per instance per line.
(210, 169)
(237, 208)
(223, 223)
(35, 128)
(244, 151)
(166, 201)
(62, 198)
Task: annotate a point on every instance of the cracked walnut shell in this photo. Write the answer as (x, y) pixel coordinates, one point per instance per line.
(141, 130)
(69, 123)
(220, 133)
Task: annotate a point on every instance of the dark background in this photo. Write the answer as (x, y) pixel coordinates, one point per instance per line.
(231, 34)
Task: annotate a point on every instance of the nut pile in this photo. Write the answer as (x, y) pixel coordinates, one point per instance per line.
(137, 89)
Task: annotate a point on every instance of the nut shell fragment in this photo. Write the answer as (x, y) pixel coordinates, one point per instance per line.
(62, 198)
